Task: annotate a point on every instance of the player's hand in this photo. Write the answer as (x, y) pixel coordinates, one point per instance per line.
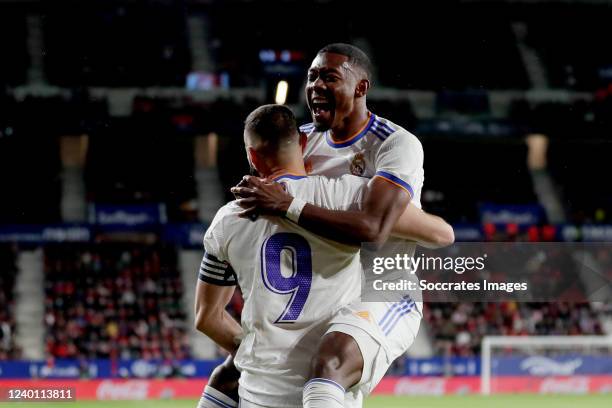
(243, 183)
(261, 196)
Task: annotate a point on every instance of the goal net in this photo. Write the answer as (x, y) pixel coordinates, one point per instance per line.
(546, 364)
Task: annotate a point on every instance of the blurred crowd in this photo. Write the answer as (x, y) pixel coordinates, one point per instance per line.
(114, 301)
(458, 328)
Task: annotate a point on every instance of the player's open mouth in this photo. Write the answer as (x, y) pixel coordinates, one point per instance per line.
(321, 108)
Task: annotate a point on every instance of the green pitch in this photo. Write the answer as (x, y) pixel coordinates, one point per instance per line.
(509, 401)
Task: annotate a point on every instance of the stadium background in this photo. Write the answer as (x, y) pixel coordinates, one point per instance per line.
(121, 132)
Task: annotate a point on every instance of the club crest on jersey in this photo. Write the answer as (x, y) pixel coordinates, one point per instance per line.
(358, 165)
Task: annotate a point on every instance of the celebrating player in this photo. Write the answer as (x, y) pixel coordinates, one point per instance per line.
(292, 280)
(346, 138)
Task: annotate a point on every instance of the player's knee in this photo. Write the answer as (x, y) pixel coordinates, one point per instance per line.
(224, 378)
(338, 359)
(326, 366)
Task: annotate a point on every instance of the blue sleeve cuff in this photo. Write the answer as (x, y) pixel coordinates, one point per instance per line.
(397, 181)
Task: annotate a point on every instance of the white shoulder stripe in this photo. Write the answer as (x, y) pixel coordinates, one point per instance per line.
(217, 277)
(213, 270)
(214, 263)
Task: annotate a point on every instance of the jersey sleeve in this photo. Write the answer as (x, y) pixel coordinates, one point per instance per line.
(399, 161)
(215, 267)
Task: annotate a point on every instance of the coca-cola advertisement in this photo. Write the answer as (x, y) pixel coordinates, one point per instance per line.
(399, 386)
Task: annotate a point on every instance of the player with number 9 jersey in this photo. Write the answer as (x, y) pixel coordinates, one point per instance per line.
(292, 282)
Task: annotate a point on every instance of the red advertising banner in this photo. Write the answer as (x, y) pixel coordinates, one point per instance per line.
(192, 389)
(119, 389)
(499, 385)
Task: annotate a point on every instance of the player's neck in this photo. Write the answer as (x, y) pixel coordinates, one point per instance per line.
(294, 169)
(351, 126)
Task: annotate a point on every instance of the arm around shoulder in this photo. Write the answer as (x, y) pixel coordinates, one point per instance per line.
(428, 230)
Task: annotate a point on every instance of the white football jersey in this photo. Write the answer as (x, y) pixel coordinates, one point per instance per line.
(381, 149)
(292, 282)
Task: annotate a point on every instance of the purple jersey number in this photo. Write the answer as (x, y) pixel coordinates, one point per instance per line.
(298, 284)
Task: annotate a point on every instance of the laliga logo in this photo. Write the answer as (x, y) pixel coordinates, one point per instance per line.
(65, 372)
(143, 369)
(543, 366)
(129, 390)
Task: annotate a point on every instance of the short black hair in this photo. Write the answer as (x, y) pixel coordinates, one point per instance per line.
(355, 56)
(272, 124)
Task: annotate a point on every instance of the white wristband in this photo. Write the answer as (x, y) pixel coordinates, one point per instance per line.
(295, 209)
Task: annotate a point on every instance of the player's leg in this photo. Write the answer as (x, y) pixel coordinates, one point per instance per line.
(336, 366)
(338, 359)
(222, 387)
(360, 345)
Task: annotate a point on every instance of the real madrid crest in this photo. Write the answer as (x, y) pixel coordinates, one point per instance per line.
(358, 165)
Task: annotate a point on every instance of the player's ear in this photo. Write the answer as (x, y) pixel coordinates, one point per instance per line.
(254, 159)
(303, 141)
(362, 87)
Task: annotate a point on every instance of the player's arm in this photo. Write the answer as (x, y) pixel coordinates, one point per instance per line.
(398, 163)
(383, 204)
(216, 284)
(211, 317)
(425, 229)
